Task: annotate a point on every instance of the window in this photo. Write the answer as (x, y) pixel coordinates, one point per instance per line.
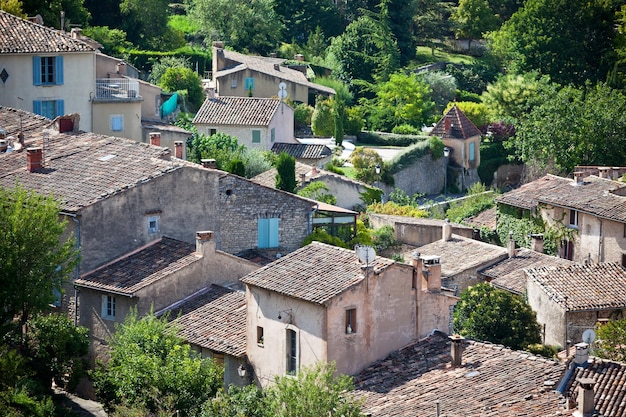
(256, 136)
(249, 84)
(472, 151)
(117, 122)
(233, 83)
(624, 260)
(47, 70)
(49, 108)
(351, 321)
(292, 352)
(273, 134)
(153, 224)
(268, 233)
(108, 307)
(212, 132)
(259, 336)
(573, 218)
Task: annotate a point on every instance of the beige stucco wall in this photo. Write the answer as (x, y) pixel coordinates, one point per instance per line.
(79, 74)
(265, 85)
(460, 151)
(151, 95)
(550, 315)
(416, 232)
(131, 112)
(434, 312)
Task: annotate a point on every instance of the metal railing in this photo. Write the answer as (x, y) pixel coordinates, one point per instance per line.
(117, 89)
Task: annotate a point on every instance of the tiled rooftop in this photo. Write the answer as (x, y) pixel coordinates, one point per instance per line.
(508, 274)
(19, 36)
(460, 254)
(486, 218)
(493, 381)
(315, 273)
(12, 121)
(268, 178)
(237, 111)
(214, 319)
(139, 269)
(587, 287)
(302, 150)
(460, 126)
(595, 195)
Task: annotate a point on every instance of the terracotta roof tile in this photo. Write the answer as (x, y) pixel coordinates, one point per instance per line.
(587, 287)
(214, 319)
(486, 218)
(508, 274)
(13, 120)
(237, 111)
(268, 178)
(19, 36)
(460, 126)
(315, 273)
(493, 381)
(302, 150)
(139, 269)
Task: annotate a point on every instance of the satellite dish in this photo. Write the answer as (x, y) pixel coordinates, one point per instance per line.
(589, 336)
(366, 254)
(282, 90)
(282, 86)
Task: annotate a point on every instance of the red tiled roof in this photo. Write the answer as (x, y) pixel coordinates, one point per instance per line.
(237, 111)
(486, 218)
(139, 269)
(14, 120)
(587, 287)
(215, 320)
(493, 381)
(19, 36)
(302, 150)
(315, 273)
(508, 274)
(460, 126)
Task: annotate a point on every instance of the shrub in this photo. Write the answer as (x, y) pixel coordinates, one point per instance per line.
(354, 121)
(548, 351)
(405, 129)
(384, 238)
(394, 209)
(322, 122)
(388, 139)
(320, 235)
(478, 200)
(302, 115)
(436, 147)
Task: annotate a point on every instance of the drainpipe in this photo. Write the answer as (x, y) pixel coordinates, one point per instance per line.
(600, 243)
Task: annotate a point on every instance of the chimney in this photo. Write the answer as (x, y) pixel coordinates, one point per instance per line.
(209, 163)
(603, 172)
(299, 57)
(205, 245)
(302, 179)
(178, 149)
(578, 177)
(218, 44)
(585, 397)
(272, 54)
(276, 67)
(155, 138)
(616, 173)
(76, 33)
(446, 230)
(456, 349)
(432, 272)
(447, 125)
(511, 246)
(66, 124)
(581, 356)
(536, 242)
(34, 158)
(314, 170)
(121, 68)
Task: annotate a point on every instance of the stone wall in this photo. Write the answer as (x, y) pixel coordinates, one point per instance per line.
(425, 176)
(414, 231)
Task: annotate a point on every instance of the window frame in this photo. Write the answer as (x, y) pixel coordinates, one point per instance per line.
(260, 339)
(576, 218)
(273, 134)
(292, 351)
(57, 105)
(48, 70)
(256, 136)
(152, 229)
(351, 321)
(108, 307)
(249, 83)
(472, 151)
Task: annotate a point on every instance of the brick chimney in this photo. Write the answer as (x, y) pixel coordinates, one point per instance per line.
(178, 149)
(603, 172)
(34, 158)
(536, 242)
(209, 163)
(586, 405)
(456, 349)
(205, 245)
(446, 230)
(511, 246)
(447, 124)
(578, 177)
(155, 138)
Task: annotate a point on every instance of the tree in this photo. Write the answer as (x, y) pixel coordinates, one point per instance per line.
(400, 20)
(364, 161)
(317, 190)
(37, 258)
(611, 343)
(313, 392)
(442, 88)
(569, 40)
(300, 18)
(50, 11)
(432, 23)
(487, 313)
(220, 146)
(145, 23)
(184, 80)
(476, 112)
(322, 119)
(152, 369)
(14, 7)
(473, 18)
(286, 173)
(113, 40)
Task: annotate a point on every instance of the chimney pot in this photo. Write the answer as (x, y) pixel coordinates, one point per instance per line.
(76, 33)
(204, 241)
(299, 57)
(34, 158)
(276, 67)
(456, 349)
(272, 54)
(155, 138)
(431, 271)
(218, 44)
(178, 149)
(446, 230)
(536, 242)
(511, 246)
(578, 177)
(586, 405)
(209, 163)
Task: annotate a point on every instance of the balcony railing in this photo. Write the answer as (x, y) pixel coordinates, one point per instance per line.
(117, 89)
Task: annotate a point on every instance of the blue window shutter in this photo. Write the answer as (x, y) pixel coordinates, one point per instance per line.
(36, 71)
(472, 150)
(60, 108)
(37, 107)
(263, 229)
(59, 70)
(273, 233)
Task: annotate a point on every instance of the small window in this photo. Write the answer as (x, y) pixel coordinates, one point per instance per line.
(249, 84)
(153, 224)
(256, 136)
(350, 321)
(292, 352)
(573, 218)
(624, 229)
(48, 70)
(273, 134)
(117, 122)
(49, 108)
(212, 132)
(472, 151)
(233, 83)
(259, 336)
(108, 307)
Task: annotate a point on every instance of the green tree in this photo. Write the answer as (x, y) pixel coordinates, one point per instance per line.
(286, 173)
(163, 64)
(473, 18)
(152, 369)
(113, 40)
(301, 18)
(476, 112)
(487, 313)
(322, 122)
(15, 7)
(37, 257)
(313, 392)
(185, 81)
(442, 88)
(221, 147)
(364, 161)
(317, 190)
(400, 20)
(569, 40)
(432, 23)
(50, 11)
(248, 401)
(145, 23)
(611, 343)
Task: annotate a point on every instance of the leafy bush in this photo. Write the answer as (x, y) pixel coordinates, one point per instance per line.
(354, 121)
(394, 209)
(322, 122)
(547, 351)
(405, 129)
(286, 173)
(477, 200)
(400, 197)
(143, 60)
(317, 190)
(320, 235)
(408, 157)
(302, 115)
(436, 147)
(187, 82)
(388, 139)
(384, 238)
(331, 167)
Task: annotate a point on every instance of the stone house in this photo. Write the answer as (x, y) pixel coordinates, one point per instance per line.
(593, 208)
(239, 75)
(570, 299)
(462, 137)
(320, 303)
(257, 123)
